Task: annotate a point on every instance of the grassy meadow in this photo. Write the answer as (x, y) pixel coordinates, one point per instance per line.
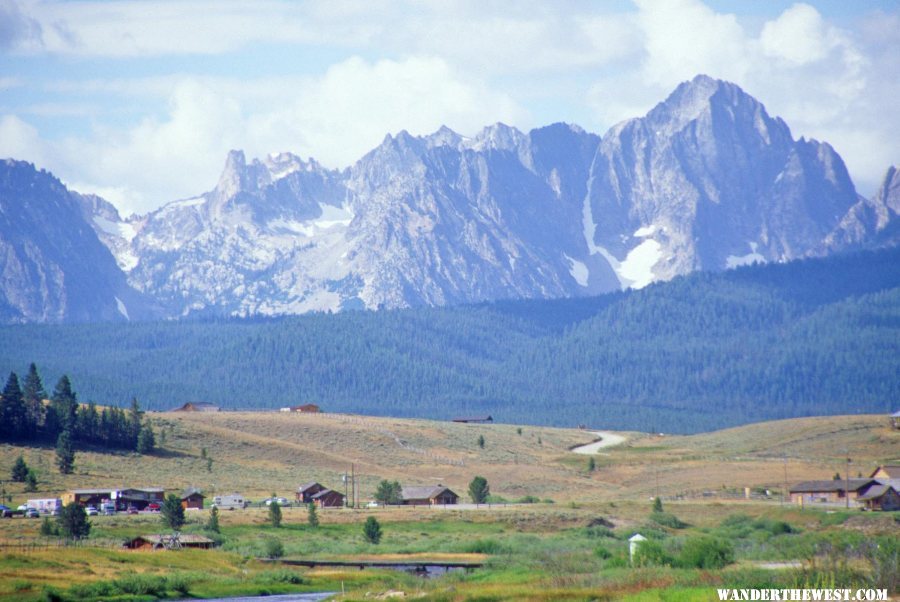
(571, 545)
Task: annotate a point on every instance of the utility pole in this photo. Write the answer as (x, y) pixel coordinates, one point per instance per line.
(847, 480)
(784, 490)
(353, 485)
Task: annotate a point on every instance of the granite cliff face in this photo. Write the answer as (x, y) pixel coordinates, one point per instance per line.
(53, 268)
(707, 180)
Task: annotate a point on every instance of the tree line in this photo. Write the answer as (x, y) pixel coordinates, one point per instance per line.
(28, 416)
(704, 351)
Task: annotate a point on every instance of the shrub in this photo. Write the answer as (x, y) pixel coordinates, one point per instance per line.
(275, 514)
(652, 553)
(282, 576)
(667, 520)
(372, 530)
(528, 499)
(706, 553)
(602, 553)
(274, 548)
(486, 546)
(73, 522)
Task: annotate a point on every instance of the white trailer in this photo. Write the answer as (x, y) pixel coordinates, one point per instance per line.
(229, 502)
(46, 505)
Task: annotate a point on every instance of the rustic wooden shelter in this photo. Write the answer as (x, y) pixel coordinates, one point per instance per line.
(433, 495)
(881, 497)
(306, 492)
(192, 498)
(328, 498)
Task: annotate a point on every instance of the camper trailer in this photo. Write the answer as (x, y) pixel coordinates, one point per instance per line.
(46, 505)
(229, 502)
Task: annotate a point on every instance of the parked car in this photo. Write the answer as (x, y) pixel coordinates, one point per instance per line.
(132, 510)
(91, 511)
(22, 508)
(153, 507)
(5, 511)
(32, 513)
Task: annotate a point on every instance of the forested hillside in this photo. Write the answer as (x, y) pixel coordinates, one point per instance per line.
(700, 352)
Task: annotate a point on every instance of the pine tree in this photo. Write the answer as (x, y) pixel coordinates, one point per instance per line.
(275, 514)
(31, 481)
(592, 465)
(146, 440)
(481, 441)
(172, 512)
(213, 523)
(65, 453)
(135, 421)
(65, 405)
(657, 504)
(12, 410)
(19, 470)
(313, 516)
(34, 396)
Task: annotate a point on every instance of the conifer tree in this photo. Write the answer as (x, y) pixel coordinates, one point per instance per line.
(275, 514)
(313, 516)
(19, 470)
(135, 421)
(146, 440)
(12, 410)
(213, 523)
(65, 405)
(65, 453)
(172, 512)
(34, 395)
(31, 481)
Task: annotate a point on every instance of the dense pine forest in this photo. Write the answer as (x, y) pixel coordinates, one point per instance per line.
(700, 352)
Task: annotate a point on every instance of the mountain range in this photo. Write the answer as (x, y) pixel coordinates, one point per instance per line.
(707, 180)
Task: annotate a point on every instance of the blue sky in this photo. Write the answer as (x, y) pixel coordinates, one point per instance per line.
(140, 101)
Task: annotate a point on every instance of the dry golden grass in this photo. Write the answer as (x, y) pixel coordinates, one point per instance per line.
(259, 453)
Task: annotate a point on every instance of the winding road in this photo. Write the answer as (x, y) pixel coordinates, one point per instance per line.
(605, 439)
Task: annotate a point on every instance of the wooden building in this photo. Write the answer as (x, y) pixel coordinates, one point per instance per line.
(169, 542)
(888, 471)
(880, 497)
(192, 498)
(434, 495)
(198, 406)
(306, 492)
(328, 498)
(90, 497)
(895, 420)
(832, 491)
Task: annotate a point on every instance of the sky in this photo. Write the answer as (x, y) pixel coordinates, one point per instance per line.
(140, 100)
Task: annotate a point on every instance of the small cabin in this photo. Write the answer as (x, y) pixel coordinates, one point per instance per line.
(328, 498)
(306, 492)
(428, 496)
(192, 499)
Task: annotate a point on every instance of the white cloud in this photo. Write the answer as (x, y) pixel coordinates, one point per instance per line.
(20, 140)
(798, 35)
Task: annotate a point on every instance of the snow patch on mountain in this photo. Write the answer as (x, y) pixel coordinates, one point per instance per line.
(733, 261)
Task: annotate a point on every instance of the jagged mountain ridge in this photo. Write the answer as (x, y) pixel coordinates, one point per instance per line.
(52, 265)
(706, 180)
